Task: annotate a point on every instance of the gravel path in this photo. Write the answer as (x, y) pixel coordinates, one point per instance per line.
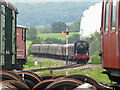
(87, 66)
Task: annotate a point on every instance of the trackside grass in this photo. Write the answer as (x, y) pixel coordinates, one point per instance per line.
(94, 73)
(41, 63)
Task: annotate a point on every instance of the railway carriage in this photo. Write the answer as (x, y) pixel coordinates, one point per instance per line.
(8, 17)
(35, 49)
(70, 51)
(43, 49)
(110, 39)
(12, 38)
(21, 45)
(55, 50)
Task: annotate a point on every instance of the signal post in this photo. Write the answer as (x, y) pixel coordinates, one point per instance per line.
(67, 33)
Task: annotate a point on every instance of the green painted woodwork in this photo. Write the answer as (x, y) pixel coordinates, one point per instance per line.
(7, 38)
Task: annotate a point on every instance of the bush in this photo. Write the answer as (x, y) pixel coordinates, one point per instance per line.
(95, 59)
(31, 33)
(74, 38)
(30, 60)
(54, 40)
(36, 41)
(58, 26)
(94, 42)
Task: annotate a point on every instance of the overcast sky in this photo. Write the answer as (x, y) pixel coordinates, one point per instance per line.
(54, 0)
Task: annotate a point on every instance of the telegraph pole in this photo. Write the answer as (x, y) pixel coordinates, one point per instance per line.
(79, 28)
(67, 32)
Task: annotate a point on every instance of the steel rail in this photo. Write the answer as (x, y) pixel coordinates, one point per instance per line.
(57, 68)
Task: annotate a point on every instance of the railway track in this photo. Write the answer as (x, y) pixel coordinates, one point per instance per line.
(57, 68)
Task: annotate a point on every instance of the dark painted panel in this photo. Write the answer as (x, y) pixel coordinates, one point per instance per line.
(8, 38)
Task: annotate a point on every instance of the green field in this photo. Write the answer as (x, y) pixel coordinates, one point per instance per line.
(55, 35)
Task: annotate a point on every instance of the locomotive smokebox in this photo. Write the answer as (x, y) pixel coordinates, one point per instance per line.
(81, 47)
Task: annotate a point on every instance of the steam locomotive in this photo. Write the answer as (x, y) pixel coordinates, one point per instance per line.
(78, 52)
(81, 52)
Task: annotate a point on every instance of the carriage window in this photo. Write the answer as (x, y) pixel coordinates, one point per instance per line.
(107, 17)
(113, 15)
(23, 34)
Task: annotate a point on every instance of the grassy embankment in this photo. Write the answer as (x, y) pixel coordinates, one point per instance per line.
(55, 35)
(42, 63)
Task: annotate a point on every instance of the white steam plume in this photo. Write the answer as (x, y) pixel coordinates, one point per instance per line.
(91, 20)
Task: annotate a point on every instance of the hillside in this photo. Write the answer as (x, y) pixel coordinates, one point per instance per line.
(34, 14)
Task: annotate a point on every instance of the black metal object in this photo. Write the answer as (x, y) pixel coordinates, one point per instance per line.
(59, 77)
(81, 47)
(8, 75)
(47, 76)
(64, 84)
(42, 85)
(30, 78)
(33, 74)
(18, 85)
(6, 86)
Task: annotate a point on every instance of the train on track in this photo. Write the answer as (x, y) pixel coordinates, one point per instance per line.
(78, 52)
(110, 53)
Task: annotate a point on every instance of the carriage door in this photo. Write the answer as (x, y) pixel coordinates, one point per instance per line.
(2, 35)
(110, 34)
(118, 36)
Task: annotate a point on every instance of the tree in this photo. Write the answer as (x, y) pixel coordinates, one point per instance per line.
(36, 41)
(58, 26)
(94, 42)
(54, 40)
(95, 59)
(31, 33)
(44, 29)
(74, 38)
(47, 29)
(75, 27)
(94, 47)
